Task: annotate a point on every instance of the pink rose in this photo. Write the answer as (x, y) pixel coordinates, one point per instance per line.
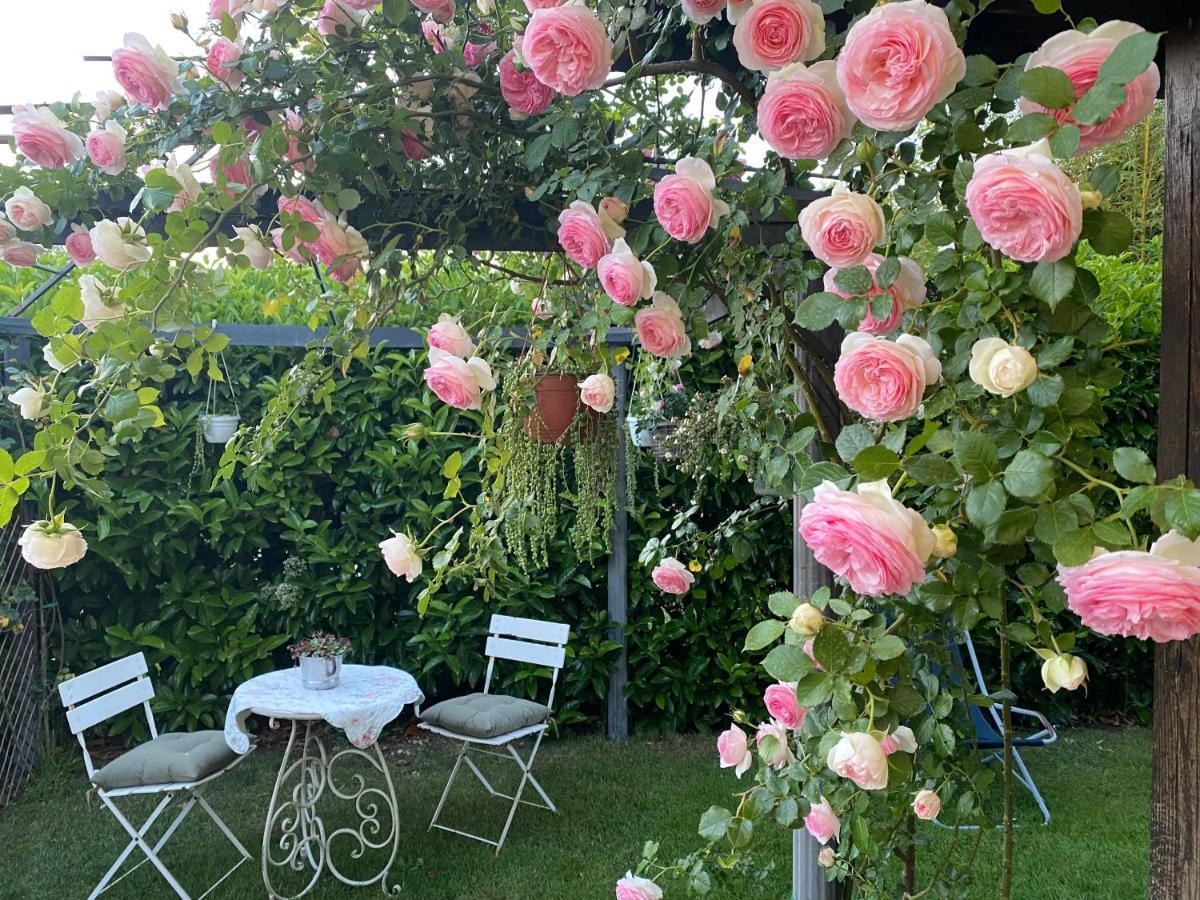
(842, 229)
(581, 234)
(779, 754)
(822, 822)
(449, 335)
(79, 245)
(927, 805)
(524, 94)
(42, 137)
(859, 757)
(783, 706)
(361, 5)
(1024, 205)
(736, 10)
(876, 543)
(1080, 56)
(672, 577)
(1151, 595)
(8, 231)
(456, 382)
(624, 277)
(613, 212)
(908, 292)
(773, 33)
(567, 48)
(885, 380)
(598, 392)
(26, 211)
(703, 11)
(808, 651)
(340, 248)
(146, 73)
(294, 128)
(901, 740)
(684, 203)
(632, 887)
(307, 210)
(898, 62)
(475, 54)
(337, 20)
(802, 114)
(414, 148)
(235, 173)
(233, 8)
(734, 750)
(534, 5)
(221, 62)
(441, 10)
(21, 254)
(660, 328)
(106, 148)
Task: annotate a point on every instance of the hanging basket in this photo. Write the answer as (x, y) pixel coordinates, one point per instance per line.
(219, 429)
(657, 434)
(557, 405)
(637, 434)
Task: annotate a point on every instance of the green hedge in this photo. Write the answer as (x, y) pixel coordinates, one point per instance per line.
(184, 573)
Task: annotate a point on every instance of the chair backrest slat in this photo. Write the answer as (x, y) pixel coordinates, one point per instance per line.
(105, 678)
(110, 704)
(526, 652)
(530, 629)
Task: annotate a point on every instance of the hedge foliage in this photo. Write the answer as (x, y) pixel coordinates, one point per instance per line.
(196, 577)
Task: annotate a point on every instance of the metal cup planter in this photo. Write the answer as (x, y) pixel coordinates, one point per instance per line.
(320, 673)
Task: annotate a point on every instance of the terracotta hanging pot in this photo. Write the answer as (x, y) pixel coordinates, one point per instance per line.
(557, 404)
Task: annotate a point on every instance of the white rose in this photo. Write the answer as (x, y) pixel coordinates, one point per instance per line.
(859, 757)
(401, 556)
(47, 546)
(1062, 671)
(26, 211)
(485, 7)
(927, 805)
(807, 620)
(255, 247)
(120, 244)
(1002, 368)
(598, 392)
(105, 104)
(31, 401)
(826, 857)
(96, 308)
(53, 361)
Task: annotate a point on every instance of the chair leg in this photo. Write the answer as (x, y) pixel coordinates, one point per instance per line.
(478, 774)
(212, 814)
(525, 777)
(1029, 783)
(139, 839)
(446, 793)
(104, 883)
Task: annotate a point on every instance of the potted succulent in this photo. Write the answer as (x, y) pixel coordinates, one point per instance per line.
(320, 659)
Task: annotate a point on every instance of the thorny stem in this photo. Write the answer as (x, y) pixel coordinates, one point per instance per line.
(1006, 713)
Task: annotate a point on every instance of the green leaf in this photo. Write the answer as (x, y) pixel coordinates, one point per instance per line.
(1130, 58)
(763, 634)
(1100, 101)
(348, 199)
(814, 688)
(1182, 510)
(1134, 465)
(940, 229)
(887, 647)
(1105, 178)
(452, 465)
(787, 662)
(223, 133)
(985, 504)
(887, 273)
(929, 468)
(1052, 281)
(1108, 232)
(975, 454)
(1031, 127)
(855, 281)
(817, 311)
(1047, 7)
(1076, 548)
(1029, 474)
(876, 463)
(783, 603)
(1065, 141)
(714, 824)
(852, 440)
(905, 701)
(1047, 87)
(1045, 390)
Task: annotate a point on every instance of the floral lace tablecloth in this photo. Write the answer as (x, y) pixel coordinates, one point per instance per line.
(366, 699)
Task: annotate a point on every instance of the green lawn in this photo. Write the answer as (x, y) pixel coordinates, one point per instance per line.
(612, 797)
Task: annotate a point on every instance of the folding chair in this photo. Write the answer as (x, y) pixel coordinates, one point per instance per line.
(167, 764)
(484, 722)
(989, 728)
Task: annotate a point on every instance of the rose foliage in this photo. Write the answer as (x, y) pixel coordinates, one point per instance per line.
(960, 482)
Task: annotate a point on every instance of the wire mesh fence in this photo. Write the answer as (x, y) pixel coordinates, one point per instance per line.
(23, 726)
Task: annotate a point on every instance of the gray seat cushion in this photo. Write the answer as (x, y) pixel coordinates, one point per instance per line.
(485, 715)
(167, 759)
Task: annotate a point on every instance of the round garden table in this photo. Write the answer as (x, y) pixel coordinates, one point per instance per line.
(366, 699)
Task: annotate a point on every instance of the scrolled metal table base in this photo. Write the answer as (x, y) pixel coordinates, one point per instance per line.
(303, 842)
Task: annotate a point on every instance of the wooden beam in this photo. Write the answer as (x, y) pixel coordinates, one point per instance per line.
(618, 577)
(1175, 806)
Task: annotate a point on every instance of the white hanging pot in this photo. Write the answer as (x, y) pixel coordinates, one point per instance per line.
(640, 436)
(219, 429)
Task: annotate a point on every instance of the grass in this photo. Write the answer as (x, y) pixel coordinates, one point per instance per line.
(612, 797)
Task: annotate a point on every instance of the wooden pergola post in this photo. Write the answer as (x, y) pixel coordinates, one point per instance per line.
(1175, 807)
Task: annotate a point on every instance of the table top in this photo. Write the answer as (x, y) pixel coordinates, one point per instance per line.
(366, 699)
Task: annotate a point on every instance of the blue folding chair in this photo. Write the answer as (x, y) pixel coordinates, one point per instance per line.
(989, 727)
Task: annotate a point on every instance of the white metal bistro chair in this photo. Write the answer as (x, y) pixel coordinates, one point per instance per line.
(484, 722)
(168, 764)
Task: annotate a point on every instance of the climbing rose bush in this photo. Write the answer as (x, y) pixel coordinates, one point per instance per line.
(945, 452)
